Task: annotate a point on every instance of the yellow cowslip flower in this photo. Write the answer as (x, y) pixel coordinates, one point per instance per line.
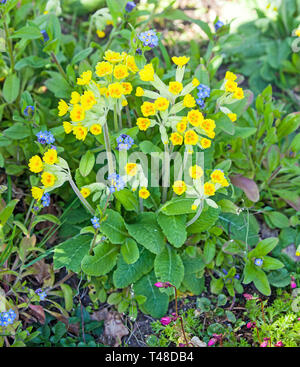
(176, 139)
(181, 126)
(109, 22)
(85, 78)
(75, 97)
(85, 192)
(130, 63)
(143, 123)
(189, 101)
(124, 103)
(37, 193)
(112, 56)
(232, 116)
(102, 90)
(67, 127)
(180, 61)
(194, 207)
(77, 113)
(148, 109)
(62, 107)
(209, 189)
(48, 179)
(50, 157)
(131, 169)
(45, 12)
(100, 34)
(195, 82)
(179, 187)
(195, 117)
(120, 71)
(80, 132)
(297, 33)
(144, 193)
(175, 87)
(230, 76)
(217, 176)
(161, 104)
(147, 73)
(139, 92)
(208, 125)
(104, 68)
(196, 172)
(239, 93)
(205, 143)
(115, 90)
(88, 100)
(35, 164)
(211, 134)
(191, 138)
(224, 183)
(231, 86)
(127, 88)
(96, 129)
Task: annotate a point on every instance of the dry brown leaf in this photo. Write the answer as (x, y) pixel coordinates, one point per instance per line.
(113, 325)
(38, 312)
(42, 271)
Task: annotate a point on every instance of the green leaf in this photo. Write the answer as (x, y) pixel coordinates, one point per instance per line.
(68, 296)
(207, 219)
(126, 274)
(224, 123)
(209, 251)
(279, 278)
(216, 285)
(127, 199)
(70, 253)
(130, 251)
(193, 284)
(279, 220)
(173, 228)
(157, 302)
(192, 264)
(147, 232)
(114, 227)
(81, 55)
(45, 218)
(18, 131)
(271, 264)
(261, 282)
(27, 33)
(178, 206)
(86, 163)
(34, 62)
(168, 267)
(11, 88)
(103, 260)
(264, 247)
(7, 212)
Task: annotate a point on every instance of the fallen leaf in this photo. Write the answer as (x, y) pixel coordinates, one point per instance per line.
(197, 342)
(72, 328)
(38, 312)
(247, 185)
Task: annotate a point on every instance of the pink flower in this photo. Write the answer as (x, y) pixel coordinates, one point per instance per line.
(293, 284)
(279, 344)
(163, 285)
(250, 324)
(211, 342)
(165, 320)
(248, 296)
(264, 344)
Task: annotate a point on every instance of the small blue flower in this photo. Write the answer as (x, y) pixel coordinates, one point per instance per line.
(149, 38)
(3, 2)
(258, 262)
(95, 222)
(200, 103)
(225, 271)
(203, 91)
(7, 318)
(125, 142)
(117, 182)
(45, 35)
(130, 6)
(29, 110)
(45, 200)
(50, 138)
(237, 276)
(138, 51)
(42, 294)
(45, 137)
(218, 25)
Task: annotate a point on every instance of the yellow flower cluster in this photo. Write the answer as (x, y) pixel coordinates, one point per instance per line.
(232, 87)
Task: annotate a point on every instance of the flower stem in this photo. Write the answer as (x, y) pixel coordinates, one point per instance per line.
(9, 45)
(81, 198)
(116, 119)
(193, 220)
(108, 149)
